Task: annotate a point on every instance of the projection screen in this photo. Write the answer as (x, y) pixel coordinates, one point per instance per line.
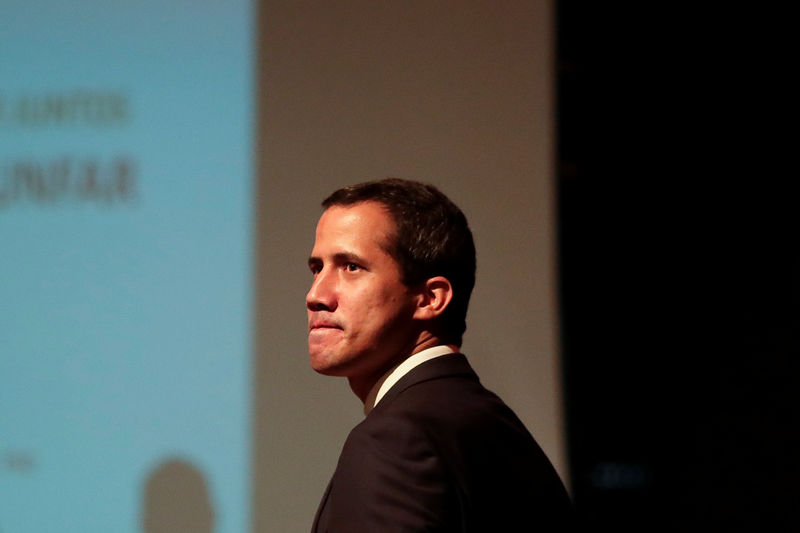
(125, 230)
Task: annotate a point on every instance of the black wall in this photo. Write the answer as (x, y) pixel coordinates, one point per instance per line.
(679, 276)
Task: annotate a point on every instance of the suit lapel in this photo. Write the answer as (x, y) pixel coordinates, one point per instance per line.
(449, 365)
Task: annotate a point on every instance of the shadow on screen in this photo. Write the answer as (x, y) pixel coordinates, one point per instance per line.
(176, 500)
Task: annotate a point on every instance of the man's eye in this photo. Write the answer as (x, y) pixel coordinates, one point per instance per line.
(352, 267)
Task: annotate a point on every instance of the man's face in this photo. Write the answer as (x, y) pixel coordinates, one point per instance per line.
(359, 310)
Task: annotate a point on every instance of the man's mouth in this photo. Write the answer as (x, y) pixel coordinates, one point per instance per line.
(322, 324)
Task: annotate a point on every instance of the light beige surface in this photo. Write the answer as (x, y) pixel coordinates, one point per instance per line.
(458, 94)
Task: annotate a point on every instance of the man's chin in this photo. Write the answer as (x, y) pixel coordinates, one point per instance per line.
(325, 371)
(322, 365)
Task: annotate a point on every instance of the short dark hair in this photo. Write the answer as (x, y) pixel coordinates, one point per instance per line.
(432, 238)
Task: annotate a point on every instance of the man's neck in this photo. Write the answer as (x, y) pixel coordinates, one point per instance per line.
(361, 385)
(396, 373)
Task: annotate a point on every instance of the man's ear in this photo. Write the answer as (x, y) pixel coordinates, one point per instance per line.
(434, 297)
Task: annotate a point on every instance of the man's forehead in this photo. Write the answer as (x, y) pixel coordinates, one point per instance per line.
(361, 220)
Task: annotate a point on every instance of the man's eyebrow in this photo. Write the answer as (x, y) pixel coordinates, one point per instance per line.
(348, 257)
(339, 258)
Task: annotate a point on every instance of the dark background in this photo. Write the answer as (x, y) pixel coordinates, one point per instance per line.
(679, 271)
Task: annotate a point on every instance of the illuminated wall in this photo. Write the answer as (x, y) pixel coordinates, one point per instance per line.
(455, 93)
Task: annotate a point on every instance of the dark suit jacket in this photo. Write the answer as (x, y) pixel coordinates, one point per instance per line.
(441, 453)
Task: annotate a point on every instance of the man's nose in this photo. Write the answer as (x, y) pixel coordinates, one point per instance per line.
(322, 294)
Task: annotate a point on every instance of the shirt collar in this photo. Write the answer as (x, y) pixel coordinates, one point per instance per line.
(394, 374)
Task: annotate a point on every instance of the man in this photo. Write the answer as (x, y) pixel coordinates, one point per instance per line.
(394, 266)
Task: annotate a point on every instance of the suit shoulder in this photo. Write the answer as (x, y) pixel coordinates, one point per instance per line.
(483, 449)
(450, 403)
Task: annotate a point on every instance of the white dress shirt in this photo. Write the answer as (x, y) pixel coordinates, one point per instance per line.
(394, 374)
